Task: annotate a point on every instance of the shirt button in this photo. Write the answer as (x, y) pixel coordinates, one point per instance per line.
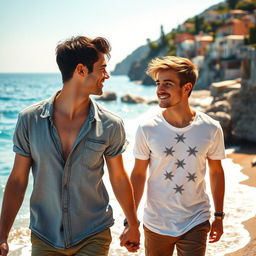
(65, 209)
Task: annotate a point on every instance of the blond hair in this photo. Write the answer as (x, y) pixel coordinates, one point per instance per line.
(186, 70)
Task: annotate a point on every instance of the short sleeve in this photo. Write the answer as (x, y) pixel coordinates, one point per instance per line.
(118, 142)
(21, 139)
(217, 148)
(141, 149)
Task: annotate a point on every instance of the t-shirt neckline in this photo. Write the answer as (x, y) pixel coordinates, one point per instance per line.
(179, 128)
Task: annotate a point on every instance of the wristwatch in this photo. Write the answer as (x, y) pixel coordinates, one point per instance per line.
(219, 215)
(126, 222)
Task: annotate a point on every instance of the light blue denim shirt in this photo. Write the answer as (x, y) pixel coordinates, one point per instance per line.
(69, 200)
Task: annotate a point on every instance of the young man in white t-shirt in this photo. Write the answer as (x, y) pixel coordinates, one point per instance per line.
(176, 144)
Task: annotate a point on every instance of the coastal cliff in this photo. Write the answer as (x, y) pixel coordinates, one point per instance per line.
(124, 66)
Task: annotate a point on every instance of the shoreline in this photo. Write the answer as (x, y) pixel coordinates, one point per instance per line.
(243, 157)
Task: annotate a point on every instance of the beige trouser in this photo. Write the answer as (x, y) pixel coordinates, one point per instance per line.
(192, 243)
(97, 244)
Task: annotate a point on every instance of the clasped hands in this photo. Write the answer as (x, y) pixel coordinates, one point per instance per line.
(130, 238)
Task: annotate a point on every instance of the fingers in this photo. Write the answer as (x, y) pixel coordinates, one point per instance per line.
(132, 247)
(3, 249)
(215, 236)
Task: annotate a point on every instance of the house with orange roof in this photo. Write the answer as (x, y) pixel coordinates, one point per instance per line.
(235, 27)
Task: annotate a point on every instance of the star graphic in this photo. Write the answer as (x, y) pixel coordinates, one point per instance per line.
(180, 163)
(180, 138)
(178, 189)
(191, 176)
(192, 151)
(168, 175)
(169, 151)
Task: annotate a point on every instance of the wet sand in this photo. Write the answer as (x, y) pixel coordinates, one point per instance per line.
(244, 157)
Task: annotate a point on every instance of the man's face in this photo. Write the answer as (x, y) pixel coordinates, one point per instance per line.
(94, 80)
(168, 91)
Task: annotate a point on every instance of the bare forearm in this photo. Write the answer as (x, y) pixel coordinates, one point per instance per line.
(218, 189)
(13, 198)
(138, 184)
(124, 194)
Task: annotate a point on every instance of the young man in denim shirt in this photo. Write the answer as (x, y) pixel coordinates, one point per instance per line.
(65, 140)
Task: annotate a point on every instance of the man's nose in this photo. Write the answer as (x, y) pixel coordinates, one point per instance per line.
(106, 76)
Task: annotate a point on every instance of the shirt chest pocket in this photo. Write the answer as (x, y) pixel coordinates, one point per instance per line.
(93, 153)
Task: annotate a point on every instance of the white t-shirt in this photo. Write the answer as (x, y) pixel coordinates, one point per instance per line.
(176, 198)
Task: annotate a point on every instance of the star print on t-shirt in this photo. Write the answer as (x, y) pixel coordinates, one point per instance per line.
(192, 151)
(191, 176)
(179, 189)
(168, 175)
(169, 151)
(180, 138)
(180, 163)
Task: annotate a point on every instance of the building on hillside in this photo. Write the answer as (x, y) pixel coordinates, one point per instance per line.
(235, 27)
(180, 37)
(202, 44)
(228, 46)
(187, 27)
(213, 16)
(237, 14)
(186, 49)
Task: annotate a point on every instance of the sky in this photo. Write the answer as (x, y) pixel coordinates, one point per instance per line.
(31, 29)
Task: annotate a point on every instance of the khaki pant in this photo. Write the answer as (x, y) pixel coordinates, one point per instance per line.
(97, 244)
(192, 243)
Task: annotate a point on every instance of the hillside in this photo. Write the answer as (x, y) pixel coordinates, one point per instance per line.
(123, 67)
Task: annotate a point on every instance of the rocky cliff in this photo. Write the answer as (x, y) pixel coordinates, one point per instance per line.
(243, 105)
(234, 103)
(123, 67)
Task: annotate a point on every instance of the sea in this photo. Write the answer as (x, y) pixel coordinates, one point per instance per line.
(17, 91)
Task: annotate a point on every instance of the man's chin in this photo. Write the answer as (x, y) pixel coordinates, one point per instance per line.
(98, 93)
(163, 105)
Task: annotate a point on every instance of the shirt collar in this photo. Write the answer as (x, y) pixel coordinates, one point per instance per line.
(48, 109)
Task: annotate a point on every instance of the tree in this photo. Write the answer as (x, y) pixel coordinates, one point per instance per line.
(247, 5)
(252, 35)
(232, 4)
(198, 24)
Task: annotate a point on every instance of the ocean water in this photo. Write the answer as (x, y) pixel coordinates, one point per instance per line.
(18, 91)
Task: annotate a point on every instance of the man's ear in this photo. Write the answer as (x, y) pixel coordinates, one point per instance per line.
(81, 70)
(188, 87)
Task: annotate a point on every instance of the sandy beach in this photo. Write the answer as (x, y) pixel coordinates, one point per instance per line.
(244, 157)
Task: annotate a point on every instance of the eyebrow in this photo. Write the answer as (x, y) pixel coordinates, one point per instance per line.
(166, 80)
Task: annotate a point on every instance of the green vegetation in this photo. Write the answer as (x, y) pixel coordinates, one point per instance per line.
(232, 4)
(249, 5)
(166, 42)
(251, 39)
(246, 5)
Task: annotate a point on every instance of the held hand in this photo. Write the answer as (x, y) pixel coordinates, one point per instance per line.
(216, 231)
(130, 238)
(4, 248)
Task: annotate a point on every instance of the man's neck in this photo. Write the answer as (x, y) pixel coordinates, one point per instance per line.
(179, 116)
(71, 103)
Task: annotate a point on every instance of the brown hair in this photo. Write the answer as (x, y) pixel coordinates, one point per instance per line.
(185, 69)
(80, 50)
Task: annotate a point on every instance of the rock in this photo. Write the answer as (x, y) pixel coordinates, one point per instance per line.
(132, 98)
(254, 162)
(153, 101)
(219, 106)
(201, 99)
(225, 122)
(218, 88)
(107, 96)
